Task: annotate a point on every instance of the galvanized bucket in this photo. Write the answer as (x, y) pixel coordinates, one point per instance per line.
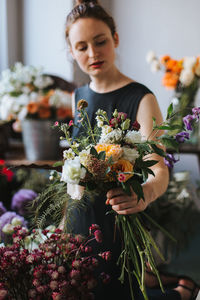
(41, 141)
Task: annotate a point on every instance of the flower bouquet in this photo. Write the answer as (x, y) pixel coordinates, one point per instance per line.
(114, 154)
(50, 264)
(182, 76)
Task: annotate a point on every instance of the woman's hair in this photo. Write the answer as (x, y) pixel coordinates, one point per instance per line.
(89, 9)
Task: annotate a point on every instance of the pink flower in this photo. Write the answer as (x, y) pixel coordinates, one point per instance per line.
(71, 123)
(98, 236)
(56, 296)
(56, 123)
(121, 177)
(106, 255)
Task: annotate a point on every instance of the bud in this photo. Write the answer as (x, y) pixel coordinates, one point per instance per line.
(8, 229)
(82, 104)
(126, 124)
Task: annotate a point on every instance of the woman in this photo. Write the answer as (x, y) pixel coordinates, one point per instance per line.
(92, 38)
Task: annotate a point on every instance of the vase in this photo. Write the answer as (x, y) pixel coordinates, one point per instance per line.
(41, 141)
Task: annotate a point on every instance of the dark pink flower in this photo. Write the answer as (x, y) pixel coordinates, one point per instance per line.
(98, 236)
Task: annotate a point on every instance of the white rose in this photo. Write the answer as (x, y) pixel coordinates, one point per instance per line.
(186, 77)
(8, 229)
(130, 154)
(155, 66)
(16, 221)
(189, 62)
(72, 171)
(150, 56)
(133, 137)
(68, 154)
(113, 137)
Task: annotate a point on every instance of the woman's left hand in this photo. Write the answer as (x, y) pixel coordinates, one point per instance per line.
(124, 204)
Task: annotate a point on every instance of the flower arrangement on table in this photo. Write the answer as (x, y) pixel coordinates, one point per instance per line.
(50, 264)
(25, 93)
(182, 76)
(115, 154)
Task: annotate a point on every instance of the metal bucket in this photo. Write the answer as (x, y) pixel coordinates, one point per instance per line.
(41, 141)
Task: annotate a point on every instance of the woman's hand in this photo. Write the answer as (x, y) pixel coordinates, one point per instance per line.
(124, 204)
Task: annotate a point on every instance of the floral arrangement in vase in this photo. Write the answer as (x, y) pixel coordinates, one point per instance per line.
(182, 76)
(115, 154)
(25, 93)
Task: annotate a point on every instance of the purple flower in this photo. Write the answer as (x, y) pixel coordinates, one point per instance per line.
(196, 112)
(2, 208)
(170, 160)
(6, 218)
(21, 199)
(187, 120)
(182, 136)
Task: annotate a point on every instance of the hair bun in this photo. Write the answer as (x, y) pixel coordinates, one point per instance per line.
(86, 1)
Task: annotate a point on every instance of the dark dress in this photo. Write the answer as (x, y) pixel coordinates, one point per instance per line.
(125, 99)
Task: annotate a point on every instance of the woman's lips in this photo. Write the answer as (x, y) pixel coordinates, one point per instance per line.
(97, 64)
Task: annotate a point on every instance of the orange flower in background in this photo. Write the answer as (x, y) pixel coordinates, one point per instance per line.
(111, 150)
(122, 166)
(64, 112)
(32, 107)
(170, 80)
(44, 112)
(165, 58)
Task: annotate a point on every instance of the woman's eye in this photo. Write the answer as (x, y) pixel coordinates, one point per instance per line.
(99, 43)
(82, 48)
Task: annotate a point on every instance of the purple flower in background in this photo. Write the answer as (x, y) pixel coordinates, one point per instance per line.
(21, 199)
(7, 218)
(196, 112)
(182, 136)
(170, 160)
(187, 120)
(2, 208)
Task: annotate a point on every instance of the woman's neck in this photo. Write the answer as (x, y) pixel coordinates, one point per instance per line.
(109, 82)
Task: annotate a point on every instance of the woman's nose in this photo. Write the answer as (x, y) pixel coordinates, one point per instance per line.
(92, 51)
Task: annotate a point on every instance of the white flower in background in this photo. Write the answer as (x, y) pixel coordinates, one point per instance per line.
(189, 62)
(42, 81)
(186, 77)
(133, 137)
(155, 66)
(197, 67)
(83, 155)
(150, 56)
(6, 107)
(72, 171)
(68, 154)
(113, 137)
(22, 114)
(176, 104)
(130, 154)
(8, 229)
(181, 176)
(16, 221)
(60, 99)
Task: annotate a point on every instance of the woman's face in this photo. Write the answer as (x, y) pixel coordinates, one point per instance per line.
(92, 46)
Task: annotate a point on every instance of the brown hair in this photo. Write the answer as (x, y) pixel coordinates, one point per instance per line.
(89, 9)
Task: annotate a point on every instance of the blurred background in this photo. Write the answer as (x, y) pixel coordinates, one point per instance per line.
(33, 32)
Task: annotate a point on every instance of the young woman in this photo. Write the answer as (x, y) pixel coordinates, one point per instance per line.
(92, 38)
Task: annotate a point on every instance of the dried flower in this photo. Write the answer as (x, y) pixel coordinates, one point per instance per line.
(82, 104)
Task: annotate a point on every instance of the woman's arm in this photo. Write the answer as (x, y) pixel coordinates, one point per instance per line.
(154, 186)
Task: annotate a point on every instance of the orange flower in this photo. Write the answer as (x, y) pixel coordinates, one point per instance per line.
(32, 107)
(111, 150)
(44, 112)
(170, 80)
(122, 166)
(44, 100)
(64, 112)
(165, 59)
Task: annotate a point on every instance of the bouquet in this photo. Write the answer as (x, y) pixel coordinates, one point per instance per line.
(25, 93)
(182, 76)
(115, 154)
(50, 264)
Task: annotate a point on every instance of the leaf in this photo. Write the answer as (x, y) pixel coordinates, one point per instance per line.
(169, 111)
(149, 163)
(127, 188)
(94, 152)
(58, 164)
(158, 150)
(137, 188)
(170, 142)
(102, 155)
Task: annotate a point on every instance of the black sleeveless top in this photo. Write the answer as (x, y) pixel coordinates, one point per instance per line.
(125, 99)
